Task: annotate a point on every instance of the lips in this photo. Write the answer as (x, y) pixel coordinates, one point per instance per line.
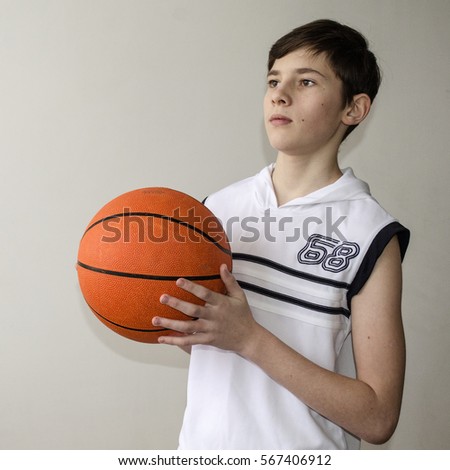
(279, 120)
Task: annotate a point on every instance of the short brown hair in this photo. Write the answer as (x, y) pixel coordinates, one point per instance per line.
(346, 49)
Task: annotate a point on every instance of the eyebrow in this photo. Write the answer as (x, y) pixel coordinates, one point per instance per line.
(299, 71)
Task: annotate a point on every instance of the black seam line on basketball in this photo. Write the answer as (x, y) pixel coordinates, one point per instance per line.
(292, 272)
(151, 277)
(142, 330)
(165, 217)
(293, 300)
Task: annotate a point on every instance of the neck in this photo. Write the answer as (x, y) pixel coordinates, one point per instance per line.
(295, 177)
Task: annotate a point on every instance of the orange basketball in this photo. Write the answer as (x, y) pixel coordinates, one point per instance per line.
(137, 246)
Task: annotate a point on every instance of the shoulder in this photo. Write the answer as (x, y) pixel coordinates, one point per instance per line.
(235, 194)
(364, 218)
(232, 190)
(376, 230)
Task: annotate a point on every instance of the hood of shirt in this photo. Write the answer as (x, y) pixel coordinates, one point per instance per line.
(346, 188)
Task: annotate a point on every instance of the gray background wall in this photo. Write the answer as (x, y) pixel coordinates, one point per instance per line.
(98, 97)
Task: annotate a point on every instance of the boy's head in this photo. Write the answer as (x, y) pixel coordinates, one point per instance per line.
(347, 53)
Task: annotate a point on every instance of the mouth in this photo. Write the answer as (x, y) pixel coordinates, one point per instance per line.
(279, 120)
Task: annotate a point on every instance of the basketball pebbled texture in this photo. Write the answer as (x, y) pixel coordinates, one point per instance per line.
(137, 246)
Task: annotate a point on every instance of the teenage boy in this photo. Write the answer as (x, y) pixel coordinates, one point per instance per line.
(263, 371)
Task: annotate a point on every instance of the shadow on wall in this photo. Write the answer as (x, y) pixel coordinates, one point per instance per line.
(151, 354)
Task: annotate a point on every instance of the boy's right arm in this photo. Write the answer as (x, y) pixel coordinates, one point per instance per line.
(367, 406)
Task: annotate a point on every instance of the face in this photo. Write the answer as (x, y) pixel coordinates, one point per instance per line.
(303, 105)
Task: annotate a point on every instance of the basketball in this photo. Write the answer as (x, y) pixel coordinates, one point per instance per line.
(136, 247)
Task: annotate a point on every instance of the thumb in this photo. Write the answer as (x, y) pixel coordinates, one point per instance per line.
(232, 286)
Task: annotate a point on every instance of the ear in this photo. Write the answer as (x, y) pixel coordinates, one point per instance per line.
(357, 110)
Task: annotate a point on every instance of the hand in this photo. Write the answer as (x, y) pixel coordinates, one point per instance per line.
(224, 321)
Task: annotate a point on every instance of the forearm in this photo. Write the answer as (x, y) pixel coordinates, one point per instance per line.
(350, 403)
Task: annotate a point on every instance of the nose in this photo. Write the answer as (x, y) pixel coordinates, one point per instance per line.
(280, 96)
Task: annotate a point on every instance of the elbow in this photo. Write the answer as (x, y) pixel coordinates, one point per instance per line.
(381, 431)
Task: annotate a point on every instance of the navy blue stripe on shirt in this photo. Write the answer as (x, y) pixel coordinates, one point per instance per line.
(293, 300)
(373, 253)
(292, 272)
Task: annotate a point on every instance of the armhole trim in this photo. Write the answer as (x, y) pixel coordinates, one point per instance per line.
(373, 253)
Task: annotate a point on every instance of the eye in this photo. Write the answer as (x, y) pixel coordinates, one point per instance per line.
(272, 83)
(306, 82)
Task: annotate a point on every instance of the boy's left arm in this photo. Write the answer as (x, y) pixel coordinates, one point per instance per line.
(367, 406)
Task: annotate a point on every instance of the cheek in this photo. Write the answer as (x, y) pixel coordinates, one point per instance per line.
(326, 113)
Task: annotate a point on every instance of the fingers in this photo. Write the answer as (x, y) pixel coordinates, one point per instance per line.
(181, 341)
(201, 292)
(192, 310)
(182, 326)
(210, 316)
(191, 332)
(229, 280)
(188, 308)
(208, 296)
(232, 286)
